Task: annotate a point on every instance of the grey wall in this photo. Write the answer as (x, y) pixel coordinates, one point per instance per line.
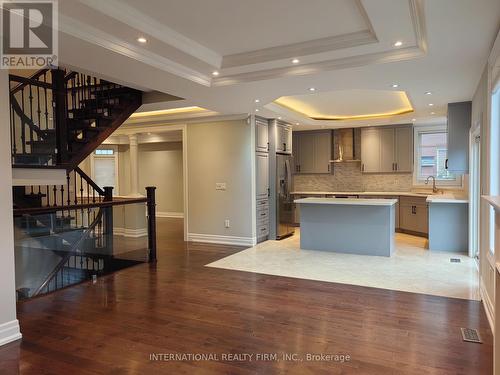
(160, 165)
(220, 152)
(9, 328)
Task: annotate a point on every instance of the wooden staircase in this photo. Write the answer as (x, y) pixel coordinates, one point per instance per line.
(58, 118)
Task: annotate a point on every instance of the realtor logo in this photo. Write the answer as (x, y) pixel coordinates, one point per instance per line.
(29, 34)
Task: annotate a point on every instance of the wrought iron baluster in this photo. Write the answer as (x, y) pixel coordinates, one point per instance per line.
(31, 114)
(23, 128)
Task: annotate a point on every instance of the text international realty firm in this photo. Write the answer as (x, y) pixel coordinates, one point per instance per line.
(250, 357)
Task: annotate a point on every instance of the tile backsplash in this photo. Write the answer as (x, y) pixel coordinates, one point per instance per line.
(348, 177)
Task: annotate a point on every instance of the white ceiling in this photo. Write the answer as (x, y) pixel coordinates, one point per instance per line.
(341, 44)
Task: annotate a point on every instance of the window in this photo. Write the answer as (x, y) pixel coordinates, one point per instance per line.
(430, 156)
(104, 151)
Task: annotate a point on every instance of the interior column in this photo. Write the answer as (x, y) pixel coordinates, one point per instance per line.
(134, 165)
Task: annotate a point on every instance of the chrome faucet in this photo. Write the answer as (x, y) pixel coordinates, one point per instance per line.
(434, 188)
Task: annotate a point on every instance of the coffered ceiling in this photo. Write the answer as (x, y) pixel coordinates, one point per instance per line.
(224, 55)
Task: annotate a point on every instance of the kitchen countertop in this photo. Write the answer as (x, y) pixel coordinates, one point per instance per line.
(348, 201)
(431, 198)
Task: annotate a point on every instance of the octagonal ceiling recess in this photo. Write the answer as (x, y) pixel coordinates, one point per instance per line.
(348, 104)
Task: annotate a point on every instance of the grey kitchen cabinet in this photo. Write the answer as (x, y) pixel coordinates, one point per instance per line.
(261, 135)
(403, 137)
(387, 149)
(283, 138)
(313, 151)
(396, 206)
(458, 125)
(413, 215)
(262, 174)
(370, 150)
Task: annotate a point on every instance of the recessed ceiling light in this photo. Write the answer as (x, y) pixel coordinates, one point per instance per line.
(279, 118)
(256, 110)
(433, 113)
(295, 61)
(431, 104)
(413, 119)
(428, 93)
(297, 123)
(215, 73)
(312, 89)
(394, 85)
(257, 100)
(398, 43)
(141, 39)
(149, 133)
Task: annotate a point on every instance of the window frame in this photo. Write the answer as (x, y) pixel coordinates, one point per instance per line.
(116, 189)
(417, 181)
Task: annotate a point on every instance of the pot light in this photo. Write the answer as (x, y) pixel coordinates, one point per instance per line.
(141, 39)
(297, 123)
(398, 43)
(395, 85)
(295, 61)
(215, 73)
(433, 113)
(431, 104)
(256, 110)
(279, 118)
(413, 119)
(312, 89)
(428, 93)
(257, 100)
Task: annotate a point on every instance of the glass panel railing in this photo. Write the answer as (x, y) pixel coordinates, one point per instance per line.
(58, 249)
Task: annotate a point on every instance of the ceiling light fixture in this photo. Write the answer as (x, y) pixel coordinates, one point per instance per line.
(141, 39)
(431, 104)
(295, 61)
(312, 89)
(279, 118)
(428, 93)
(398, 43)
(433, 113)
(395, 85)
(413, 119)
(215, 73)
(257, 100)
(256, 110)
(297, 123)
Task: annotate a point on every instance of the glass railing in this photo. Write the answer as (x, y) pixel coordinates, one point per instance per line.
(57, 248)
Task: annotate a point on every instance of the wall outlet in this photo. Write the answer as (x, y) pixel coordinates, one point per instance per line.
(226, 223)
(220, 186)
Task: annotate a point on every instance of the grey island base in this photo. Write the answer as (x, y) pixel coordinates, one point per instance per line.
(354, 226)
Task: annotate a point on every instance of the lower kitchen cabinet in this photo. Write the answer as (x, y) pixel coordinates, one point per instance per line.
(262, 219)
(413, 215)
(396, 207)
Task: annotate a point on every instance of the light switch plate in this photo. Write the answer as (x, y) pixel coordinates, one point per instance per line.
(220, 186)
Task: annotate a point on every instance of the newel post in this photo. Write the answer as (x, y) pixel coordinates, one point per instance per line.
(151, 222)
(108, 219)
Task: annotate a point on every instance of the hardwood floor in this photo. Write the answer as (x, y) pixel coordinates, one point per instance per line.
(180, 306)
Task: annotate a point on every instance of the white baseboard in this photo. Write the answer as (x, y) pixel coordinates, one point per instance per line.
(9, 332)
(177, 215)
(126, 232)
(488, 305)
(224, 240)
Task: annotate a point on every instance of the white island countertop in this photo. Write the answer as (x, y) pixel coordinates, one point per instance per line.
(348, 201)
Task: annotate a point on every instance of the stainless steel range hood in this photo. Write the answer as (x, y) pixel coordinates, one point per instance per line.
(346, 145)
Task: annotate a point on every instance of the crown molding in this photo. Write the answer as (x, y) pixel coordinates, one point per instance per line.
(417, 15)
(310, 47)
(138, 20)
(97, 37)
(314, 68)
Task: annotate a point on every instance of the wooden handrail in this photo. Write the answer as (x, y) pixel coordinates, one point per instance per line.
(43, 210)
(23, 84)
(27, 81)
(89, 181)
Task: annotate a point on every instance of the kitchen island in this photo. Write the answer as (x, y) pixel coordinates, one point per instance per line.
(348, 225)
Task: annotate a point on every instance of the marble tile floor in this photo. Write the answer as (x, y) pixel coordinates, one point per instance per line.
(412, 268)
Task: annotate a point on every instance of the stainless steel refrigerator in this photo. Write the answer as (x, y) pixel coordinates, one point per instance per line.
(284, 200)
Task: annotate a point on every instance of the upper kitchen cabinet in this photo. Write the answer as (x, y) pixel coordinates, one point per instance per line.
(459, 122)
(283, 138)
(313, 151)
(387, 149)
(261, 135)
